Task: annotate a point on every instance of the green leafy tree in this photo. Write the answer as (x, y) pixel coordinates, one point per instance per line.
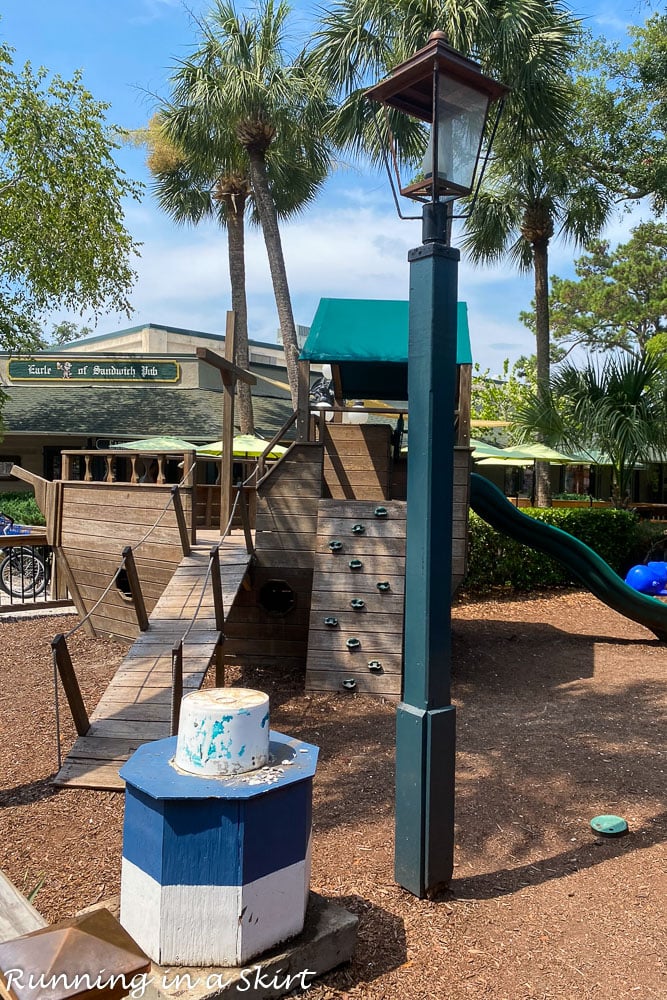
(619, 116)
(616, 408)
(66, 331)
(498, 397)
(618, 299)
(530, 194)
(241, 84)
(62, 239)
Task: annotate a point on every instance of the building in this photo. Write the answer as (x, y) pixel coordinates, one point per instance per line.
(134, 383)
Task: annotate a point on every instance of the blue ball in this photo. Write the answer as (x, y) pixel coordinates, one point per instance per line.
(643, 579)
(659, 570)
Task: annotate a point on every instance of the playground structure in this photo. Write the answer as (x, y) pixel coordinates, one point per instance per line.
(318, 584)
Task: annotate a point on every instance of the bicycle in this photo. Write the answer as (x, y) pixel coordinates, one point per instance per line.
(23, 573)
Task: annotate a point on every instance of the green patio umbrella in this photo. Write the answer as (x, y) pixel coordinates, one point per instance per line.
(245, 446)
(481, 451)
(542, 453)
(156, 444)
(496, 460)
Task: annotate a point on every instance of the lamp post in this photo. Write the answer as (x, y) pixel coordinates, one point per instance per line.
(439, 86)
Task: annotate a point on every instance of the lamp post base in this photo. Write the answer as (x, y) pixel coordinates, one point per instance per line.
(424, 849)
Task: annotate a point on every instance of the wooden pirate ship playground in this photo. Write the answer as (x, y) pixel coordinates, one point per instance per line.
(315, 581)
(306, 566)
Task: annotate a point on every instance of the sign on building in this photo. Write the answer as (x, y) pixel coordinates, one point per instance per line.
(92, 370)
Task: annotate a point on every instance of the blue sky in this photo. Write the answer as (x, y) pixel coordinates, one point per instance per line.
(350, 242)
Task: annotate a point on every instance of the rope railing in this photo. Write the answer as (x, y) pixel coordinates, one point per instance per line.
(62, 664)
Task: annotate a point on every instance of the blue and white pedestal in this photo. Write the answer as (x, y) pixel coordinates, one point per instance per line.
(216, 870)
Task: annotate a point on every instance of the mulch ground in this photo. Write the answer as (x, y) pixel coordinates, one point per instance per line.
(562, 710)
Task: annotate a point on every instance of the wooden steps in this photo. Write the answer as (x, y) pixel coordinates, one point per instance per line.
(378, 625)
(136, 706)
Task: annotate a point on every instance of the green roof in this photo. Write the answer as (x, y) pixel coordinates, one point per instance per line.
(366, 343)
(370, 330)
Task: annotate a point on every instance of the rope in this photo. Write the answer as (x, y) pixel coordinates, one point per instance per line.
(122, 566)
(209, 568)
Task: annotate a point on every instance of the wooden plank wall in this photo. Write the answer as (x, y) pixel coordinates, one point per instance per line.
(462, 462)
(357, 461)
(287, 501)
(286, 528)
(379, 624)
(96, 522)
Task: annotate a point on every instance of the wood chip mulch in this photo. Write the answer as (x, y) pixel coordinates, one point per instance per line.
(562, 712)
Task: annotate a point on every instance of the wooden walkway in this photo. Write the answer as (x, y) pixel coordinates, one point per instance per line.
(136, 707)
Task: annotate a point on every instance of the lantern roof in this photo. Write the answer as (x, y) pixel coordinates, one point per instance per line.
(409, 87)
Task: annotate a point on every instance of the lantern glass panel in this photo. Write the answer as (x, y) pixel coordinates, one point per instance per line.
(461, 113)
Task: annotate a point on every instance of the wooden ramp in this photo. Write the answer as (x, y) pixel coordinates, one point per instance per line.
(377, 625)
(136, 707)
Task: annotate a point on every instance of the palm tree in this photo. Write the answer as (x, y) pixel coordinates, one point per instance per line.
(532, 193)
(240, 87)
(617, 408)
(528, 46)
(190, 188)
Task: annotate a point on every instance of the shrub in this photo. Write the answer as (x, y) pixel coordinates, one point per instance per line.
(22, 507)
(496, 560)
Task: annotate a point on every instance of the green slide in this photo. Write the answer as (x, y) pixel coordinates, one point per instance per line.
(582, 562)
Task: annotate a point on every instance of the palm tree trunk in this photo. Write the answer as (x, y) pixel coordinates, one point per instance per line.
(268, 218)
(235, 205)
(541, 272)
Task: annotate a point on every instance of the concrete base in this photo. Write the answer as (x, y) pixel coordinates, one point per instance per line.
(327, 940)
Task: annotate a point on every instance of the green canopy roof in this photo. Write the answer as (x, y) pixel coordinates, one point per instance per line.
(367, 340)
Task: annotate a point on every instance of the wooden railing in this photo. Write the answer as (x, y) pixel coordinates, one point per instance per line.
(121, 465)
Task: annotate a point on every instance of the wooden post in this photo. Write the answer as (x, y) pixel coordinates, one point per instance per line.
(463, 393)
(70, 684)
(220, 661)
(227, 460)
(230, 373)
(219, 609)
(190, 483)
(245, 520)
(135, 588)
(180, 520)
(303, 402)
(216, 587)
(176, 685)
(65, 466)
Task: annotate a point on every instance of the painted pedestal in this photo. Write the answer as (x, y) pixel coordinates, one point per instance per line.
(216, 870)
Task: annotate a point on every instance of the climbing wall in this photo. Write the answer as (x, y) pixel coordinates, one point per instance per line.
(356, 618)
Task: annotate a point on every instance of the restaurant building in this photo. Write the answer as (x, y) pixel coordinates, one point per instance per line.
(134, 383)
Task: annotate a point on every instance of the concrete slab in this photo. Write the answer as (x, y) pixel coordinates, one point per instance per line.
(327, 940)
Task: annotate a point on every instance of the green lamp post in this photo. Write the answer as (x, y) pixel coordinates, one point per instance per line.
(439, 86)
